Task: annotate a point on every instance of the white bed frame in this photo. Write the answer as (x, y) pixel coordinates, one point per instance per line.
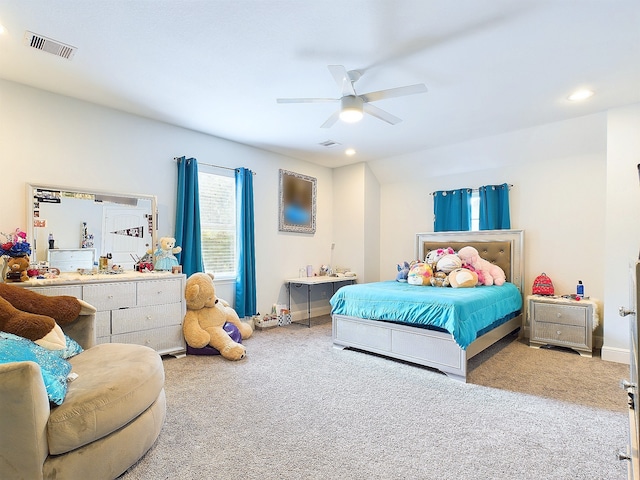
(429, 347)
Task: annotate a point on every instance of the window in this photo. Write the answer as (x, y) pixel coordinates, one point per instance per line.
(218, 222)
(475, 211)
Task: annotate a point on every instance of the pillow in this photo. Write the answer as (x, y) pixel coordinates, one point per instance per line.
(54, 369)
(72, 349)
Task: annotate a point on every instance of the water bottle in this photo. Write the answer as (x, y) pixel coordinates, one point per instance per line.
(580, 289)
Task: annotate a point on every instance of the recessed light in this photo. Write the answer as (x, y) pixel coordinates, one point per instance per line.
(350, 151)
(581, 94)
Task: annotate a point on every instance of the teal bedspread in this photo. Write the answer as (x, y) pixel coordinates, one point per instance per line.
(463, 312)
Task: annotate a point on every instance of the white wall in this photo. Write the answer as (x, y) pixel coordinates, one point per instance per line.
(55, 140)
(622, 227)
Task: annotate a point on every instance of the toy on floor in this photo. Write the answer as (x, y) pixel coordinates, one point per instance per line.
(206, 316)
(38, 317)
(492, 274)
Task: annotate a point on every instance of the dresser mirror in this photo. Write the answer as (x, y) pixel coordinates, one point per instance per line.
(65, 223)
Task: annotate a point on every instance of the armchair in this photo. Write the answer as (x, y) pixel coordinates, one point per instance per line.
(112, 413)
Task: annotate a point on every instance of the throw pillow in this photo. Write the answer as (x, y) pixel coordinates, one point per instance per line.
(54, 368)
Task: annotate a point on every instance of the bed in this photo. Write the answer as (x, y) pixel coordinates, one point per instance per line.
(432, 340)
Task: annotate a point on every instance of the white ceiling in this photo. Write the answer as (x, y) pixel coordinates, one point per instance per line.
(217, 66)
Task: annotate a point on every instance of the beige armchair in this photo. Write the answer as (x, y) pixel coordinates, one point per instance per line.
(112, 414)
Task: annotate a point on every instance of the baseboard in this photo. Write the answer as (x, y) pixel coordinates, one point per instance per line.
(303, 315)
(618, 355)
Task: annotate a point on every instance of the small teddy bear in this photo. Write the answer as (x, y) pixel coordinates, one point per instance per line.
(164, 258)
(17, 269)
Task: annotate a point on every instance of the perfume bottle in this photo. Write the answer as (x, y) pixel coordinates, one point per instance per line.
(580, 289)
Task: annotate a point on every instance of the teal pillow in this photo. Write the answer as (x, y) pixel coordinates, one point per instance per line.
(54, 368)
(72, 349)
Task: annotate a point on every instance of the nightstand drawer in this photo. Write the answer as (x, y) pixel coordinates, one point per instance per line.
(559, 334)
(564, 314)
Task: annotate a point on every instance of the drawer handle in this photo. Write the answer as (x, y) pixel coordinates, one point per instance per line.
(558, 332)
(109, 297)
(558, 314)
(149, 317)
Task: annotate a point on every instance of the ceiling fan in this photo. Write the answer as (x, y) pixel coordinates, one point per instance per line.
(352, 104)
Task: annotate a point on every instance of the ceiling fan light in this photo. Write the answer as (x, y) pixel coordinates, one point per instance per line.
(351, 110)
(351, 115)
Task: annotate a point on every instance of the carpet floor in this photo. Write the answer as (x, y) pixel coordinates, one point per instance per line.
(296, 408)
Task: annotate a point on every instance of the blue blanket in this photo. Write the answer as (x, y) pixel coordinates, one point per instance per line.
(463, 312)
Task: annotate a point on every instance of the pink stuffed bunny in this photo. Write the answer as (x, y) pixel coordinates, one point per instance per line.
(492, 274)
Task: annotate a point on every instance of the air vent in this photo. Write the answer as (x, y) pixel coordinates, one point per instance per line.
(329, 143)
(49, 45)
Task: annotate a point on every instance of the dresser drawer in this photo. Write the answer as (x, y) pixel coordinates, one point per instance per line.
(103, 324)
(563, 314)
(163, 340)
(159, 292)
(110, 296)
(144, 318)
(559, 334)
(71, 290)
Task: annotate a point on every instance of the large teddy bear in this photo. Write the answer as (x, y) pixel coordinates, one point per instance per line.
(206, 316)
(492, 274)
(38, 317)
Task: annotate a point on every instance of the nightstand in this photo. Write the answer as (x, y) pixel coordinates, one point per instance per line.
(562, 322)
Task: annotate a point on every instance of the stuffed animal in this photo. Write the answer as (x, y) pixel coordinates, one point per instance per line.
(206, 316)
(493, 274)
(420, 274)
(434, 255)
(463, 278)
(17, 269)
(440, 279)
(36, 317)
(448, 263)
(403, 272)
(164, 258)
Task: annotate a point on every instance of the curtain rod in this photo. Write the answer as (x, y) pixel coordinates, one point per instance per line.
(212, 165)
(477, 189)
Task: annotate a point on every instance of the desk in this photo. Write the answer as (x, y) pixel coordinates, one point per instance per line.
(309, 282)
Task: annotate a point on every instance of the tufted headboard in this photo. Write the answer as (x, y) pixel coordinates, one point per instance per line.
(502, 247)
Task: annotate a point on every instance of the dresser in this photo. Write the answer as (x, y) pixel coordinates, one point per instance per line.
(562, 322)
(132, 307)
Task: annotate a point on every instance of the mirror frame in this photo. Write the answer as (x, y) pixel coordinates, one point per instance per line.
(32, 187)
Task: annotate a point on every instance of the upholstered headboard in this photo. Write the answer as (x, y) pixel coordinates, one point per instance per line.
(502, 247)
(494, 252)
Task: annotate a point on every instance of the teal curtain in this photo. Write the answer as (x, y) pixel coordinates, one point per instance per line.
(188, 234)
(494, 207)
(452, 210)
(245, 301)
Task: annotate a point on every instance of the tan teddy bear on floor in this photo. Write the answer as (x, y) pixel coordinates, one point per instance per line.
(206, 316)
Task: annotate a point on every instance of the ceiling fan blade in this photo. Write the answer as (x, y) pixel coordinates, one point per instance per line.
(394, 92)
(341, 77)
(307, 100)
(331, 120)
(381, 114)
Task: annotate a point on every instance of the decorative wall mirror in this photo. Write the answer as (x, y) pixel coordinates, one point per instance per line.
(77, 221)
(297, 203)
